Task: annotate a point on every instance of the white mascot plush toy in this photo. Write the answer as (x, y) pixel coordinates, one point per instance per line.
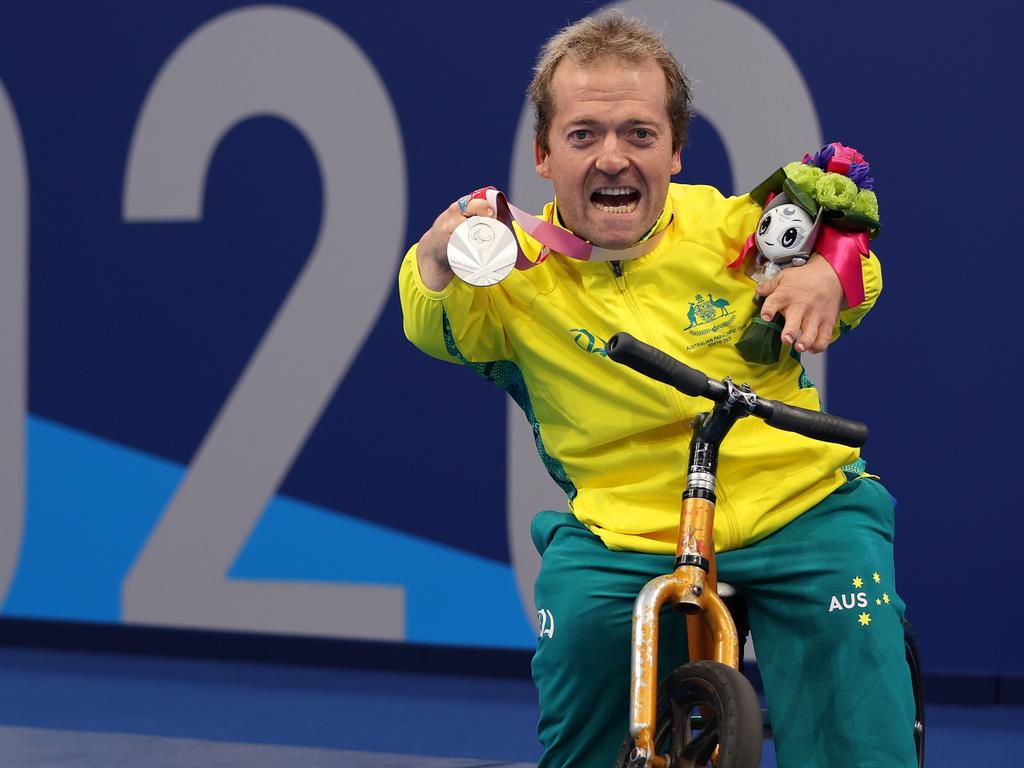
(785, 237)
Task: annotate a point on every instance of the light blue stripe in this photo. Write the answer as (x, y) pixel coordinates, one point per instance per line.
(92, 503)
(451, 596)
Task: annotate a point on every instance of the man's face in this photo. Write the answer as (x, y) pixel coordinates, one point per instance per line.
(610, 153)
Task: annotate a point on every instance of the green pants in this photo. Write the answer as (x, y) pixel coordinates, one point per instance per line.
(824, 615)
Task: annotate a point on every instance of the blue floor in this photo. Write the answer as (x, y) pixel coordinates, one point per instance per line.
(488, 720)
(48, 748)
(270, 704)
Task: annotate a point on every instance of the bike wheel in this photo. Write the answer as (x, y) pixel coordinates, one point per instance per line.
(914, 662)
(701, 706)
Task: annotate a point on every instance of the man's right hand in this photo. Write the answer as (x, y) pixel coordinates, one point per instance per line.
(432, 250)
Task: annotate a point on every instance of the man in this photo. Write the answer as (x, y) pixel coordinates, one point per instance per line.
(799, 528)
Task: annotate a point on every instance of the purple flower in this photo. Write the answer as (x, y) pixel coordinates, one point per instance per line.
(859, 175)
(822, 157)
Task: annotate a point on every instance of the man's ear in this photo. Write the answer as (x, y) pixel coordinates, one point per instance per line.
(541, 155)
(677, 161)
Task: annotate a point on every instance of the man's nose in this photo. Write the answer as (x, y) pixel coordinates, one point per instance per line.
(612, 159)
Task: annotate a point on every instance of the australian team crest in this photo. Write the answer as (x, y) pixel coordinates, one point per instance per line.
(708, 311)
(710, 320)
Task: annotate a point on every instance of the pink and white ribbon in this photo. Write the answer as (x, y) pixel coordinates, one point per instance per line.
(555, 238)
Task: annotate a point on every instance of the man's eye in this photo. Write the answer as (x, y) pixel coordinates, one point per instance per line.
(642, 133)
(580, 135)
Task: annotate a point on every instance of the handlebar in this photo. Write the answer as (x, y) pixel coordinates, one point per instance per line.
(643, 358)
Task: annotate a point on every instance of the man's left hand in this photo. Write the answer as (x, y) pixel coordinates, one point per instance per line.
(810, 297)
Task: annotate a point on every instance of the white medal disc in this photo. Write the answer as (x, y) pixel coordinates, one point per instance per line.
(482, 251)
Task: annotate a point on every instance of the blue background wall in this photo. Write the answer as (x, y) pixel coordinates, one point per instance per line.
(138, 330)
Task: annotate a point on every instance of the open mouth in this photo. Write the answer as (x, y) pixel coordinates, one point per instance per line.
(616, 199)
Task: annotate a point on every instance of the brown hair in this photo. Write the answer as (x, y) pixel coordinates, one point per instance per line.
(609, 36)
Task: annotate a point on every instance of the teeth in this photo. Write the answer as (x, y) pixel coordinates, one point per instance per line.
(616, 190)
(628, 208)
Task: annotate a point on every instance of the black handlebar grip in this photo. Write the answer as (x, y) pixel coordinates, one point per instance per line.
(817, 425)
(643, 358)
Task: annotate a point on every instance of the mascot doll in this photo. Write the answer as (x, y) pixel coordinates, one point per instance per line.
(825, 204)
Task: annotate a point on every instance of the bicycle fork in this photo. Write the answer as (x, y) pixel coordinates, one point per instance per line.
(692, 587)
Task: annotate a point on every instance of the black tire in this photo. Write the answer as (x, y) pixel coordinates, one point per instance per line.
(914, 662)
(731, 721)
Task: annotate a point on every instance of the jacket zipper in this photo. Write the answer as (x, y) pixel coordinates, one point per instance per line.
(728, 522)
(674, 398)
(620, 279)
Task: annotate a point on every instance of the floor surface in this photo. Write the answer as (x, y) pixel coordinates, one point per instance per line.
(86, 710)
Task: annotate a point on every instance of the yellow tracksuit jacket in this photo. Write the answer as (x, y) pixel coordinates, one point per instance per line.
(616, 441)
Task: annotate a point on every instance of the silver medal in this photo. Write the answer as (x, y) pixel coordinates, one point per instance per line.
(482, 251)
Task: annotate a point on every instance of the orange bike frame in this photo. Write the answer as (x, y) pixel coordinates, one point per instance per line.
(692, 587)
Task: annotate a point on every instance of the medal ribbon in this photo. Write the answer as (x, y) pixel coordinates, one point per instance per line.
(555, 238)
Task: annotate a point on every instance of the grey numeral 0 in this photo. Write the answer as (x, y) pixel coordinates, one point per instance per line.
(765, 117)
(13, 338)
